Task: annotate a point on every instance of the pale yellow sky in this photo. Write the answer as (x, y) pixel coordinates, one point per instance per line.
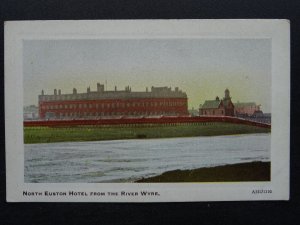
(203, 68)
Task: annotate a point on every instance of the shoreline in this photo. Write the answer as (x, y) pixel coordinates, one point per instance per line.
(239, 172)
(141, 139)
(34, 135)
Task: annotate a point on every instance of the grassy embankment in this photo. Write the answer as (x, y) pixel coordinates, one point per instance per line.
(253, 171)
(97, 133)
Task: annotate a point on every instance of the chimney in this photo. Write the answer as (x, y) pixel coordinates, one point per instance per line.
(42, 92)
(55, 92)
(74, 91)
(59, 92)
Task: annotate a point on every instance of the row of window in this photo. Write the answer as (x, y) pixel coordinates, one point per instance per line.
(213, 112)
(63, 97)
(112, 105)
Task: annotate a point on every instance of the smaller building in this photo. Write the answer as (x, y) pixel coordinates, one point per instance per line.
(218, 107)
(212, 108)
(30, 112)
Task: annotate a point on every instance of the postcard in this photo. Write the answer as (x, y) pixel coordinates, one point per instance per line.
(147, 110)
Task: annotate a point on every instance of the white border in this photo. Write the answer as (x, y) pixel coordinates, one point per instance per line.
(277, 30)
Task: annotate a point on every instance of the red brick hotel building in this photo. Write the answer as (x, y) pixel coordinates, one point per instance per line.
(102, 103)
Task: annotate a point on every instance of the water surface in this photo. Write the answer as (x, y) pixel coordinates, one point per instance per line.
(129, 160)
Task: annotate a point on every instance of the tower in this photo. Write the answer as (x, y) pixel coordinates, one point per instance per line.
(100, 87)
(227, 94)
(228, 105)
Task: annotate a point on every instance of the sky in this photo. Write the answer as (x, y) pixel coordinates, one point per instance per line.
(203, 68)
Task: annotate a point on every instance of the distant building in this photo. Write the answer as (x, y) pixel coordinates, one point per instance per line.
(251, 111)
(193, 112)
(246, 108)
(158, 101)
(257, 116)
(217, 107)
(30, 112)
(261, 117)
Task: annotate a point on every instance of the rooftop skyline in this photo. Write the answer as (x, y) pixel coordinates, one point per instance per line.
(203, 68)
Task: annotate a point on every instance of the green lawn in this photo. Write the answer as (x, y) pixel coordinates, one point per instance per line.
(97, 133)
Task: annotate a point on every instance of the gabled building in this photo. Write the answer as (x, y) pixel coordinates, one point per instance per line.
(217, 107)
(212, 108)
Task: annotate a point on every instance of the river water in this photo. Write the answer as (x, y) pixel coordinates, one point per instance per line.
(129, 160)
